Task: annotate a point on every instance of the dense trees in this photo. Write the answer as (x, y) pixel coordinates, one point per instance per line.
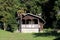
(7, 13)
(49, 13)
(48, 8)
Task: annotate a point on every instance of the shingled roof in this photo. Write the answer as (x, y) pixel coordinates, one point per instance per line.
(35, 16)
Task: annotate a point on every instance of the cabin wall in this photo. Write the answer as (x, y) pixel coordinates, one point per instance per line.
(41, 26)
(29, 30)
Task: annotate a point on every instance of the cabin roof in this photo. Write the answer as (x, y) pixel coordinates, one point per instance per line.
(35, 16)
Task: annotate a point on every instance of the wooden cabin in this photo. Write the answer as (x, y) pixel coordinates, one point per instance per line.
(29, 23)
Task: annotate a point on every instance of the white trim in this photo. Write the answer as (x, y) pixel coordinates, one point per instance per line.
(30, 30)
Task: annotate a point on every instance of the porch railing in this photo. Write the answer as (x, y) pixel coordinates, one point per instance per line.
(30, 26)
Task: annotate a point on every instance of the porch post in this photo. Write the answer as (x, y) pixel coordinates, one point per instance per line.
(31, 22)
(39, 25)
(25, 22)
(20, 22)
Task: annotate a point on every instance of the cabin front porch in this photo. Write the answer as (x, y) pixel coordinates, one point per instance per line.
(28, 25)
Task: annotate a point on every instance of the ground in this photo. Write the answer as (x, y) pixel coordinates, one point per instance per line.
(4, 35)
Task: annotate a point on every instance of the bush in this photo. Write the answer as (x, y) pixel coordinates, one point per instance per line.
(12, 27)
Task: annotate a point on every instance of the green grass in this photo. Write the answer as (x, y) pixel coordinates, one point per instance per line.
(4, 35)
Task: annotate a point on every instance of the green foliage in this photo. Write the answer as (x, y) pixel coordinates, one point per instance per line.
(8, 9)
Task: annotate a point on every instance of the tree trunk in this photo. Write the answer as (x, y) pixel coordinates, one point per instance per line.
(20, 22)
(4, 26)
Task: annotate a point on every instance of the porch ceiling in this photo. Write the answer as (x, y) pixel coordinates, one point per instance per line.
(29, 17)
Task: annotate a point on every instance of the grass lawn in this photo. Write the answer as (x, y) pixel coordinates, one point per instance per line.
(4, 35)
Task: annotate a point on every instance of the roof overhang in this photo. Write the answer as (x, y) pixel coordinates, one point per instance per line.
(35, 16)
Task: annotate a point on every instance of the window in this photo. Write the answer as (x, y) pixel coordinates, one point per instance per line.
(23, 21)
(35, 21)
(28, 21)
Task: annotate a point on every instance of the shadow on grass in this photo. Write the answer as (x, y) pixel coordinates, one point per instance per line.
(58, 38)
(52, 33)
(46, 34)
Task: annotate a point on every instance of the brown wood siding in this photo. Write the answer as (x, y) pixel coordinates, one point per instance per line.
(41, 26)
(29, 17)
